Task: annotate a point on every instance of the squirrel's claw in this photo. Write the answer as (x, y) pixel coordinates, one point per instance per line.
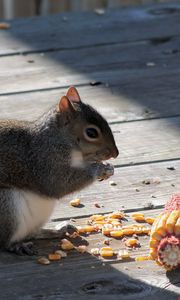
(22, 248)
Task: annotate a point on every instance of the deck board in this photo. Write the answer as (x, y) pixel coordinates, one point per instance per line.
(91, 276)
(129, 194)
(130, 100)
(57, 68)
(66, 30)
(134, 54)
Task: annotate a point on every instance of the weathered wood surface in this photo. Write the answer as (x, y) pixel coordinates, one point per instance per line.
(66, 30)
(112, 64)
(131, 100)
(129, 194)
(82, 275)
(134, 53)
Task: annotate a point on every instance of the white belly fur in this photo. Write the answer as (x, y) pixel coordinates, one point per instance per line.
(32, 212)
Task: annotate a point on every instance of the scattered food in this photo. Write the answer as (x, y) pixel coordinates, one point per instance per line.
(54, 256)
(99, 11)
(171, 168)
(5, 25)
(81, 248)
(132, 242)
(66, 245)
(123, 254)
(94, 83)
(75, 202)
(138, 217)
(95, 251)
(62, 253)
(113, 183)
(150, 64)
(43, 260)
(87, 228)
(106, 252)
(141, 258)
(107, 242)
(97, 205)
(146, 181)
(149, 220)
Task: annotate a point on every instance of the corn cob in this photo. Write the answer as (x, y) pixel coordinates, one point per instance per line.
(165, 235)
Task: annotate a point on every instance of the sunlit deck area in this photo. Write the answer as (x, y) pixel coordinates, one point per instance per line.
(124, 62)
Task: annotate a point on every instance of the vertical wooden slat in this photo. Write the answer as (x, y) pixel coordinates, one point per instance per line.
(8, 9)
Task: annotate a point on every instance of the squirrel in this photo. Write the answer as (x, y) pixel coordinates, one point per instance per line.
(41, 161)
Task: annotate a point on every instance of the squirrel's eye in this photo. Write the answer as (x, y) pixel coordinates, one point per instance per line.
(91, 133)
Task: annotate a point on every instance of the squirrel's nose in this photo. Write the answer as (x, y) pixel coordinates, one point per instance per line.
(114, 152)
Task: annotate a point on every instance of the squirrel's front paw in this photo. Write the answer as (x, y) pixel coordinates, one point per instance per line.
(105, 171)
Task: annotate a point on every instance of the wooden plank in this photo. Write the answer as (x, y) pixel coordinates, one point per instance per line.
(112, 64)
(135, 100)
(83, 275)
(66, 30)
(147, 140)
(130, 193)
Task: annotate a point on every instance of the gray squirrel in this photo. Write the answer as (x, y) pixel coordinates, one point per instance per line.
(44, 160)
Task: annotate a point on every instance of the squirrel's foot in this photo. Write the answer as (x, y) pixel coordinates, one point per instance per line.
(22, 248)
(65, 228)
(104, 171)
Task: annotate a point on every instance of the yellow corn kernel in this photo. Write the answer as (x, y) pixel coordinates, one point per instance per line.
(161, 226)
(141, 258)
(116, 233)
(171, 221)
(138, 217)
(131, 242)
(128, 231)
(100, 222)
(153, 254)
(116, 215)
(54, 256)
(106, 229)
(97, 218)
(153, 243)
(106, 252)
(146, 230)
(177, 227)
(149, 220)
(134, 215)
(154, 234)
(75, 202)
(116, 223)
(66, 245)
(123, 254)
(87, 228)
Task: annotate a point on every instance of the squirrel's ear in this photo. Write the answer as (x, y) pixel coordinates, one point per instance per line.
(73, 95)
(65, 105)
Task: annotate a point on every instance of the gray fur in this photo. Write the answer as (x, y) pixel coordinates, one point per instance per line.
(37, 157)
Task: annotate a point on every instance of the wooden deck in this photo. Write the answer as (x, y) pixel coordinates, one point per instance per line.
(125, 63)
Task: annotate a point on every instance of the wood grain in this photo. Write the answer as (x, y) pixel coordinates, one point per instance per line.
(66, 31)
(126, 102)
(112, 64)
(89, 276)
(130, 193)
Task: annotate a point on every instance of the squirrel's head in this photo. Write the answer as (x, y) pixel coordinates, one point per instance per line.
(91, 131)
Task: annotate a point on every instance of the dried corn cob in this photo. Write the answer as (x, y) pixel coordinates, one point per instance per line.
(165, 235)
